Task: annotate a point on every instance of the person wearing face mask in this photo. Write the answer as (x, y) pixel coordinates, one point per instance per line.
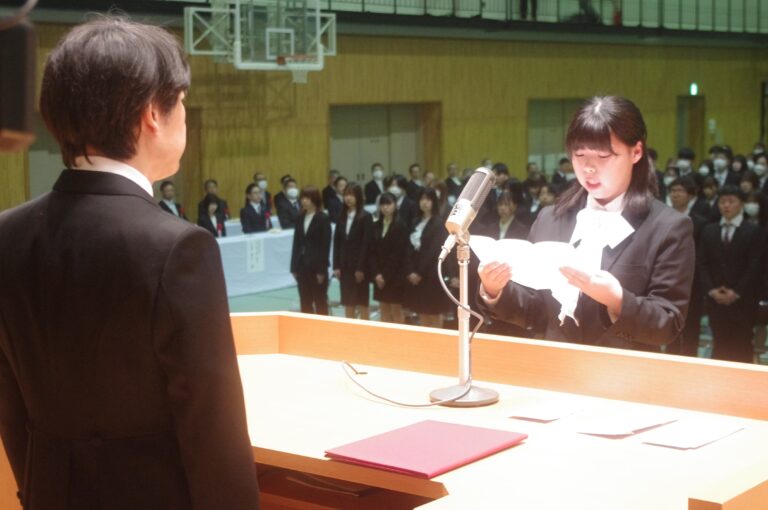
(406, 208)
(453, 182)
(375, 186)
(721, 164)
(761, 170)
(261, 181)
(289, 208)
(755, 208)
(729, 264)
(684, 163)
(280, 195)
(335, 203)
(633, 287)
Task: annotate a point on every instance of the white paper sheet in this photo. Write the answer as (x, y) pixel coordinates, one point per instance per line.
(622, 422)
(692, 433)
(545, 410)
(535, 265)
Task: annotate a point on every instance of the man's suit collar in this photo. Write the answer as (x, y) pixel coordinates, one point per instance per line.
(98, 183)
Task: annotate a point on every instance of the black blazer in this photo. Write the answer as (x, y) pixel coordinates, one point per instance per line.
(453, 188)
(516, 229)
(350, 252)
(253, 221)
(328, 192)
(311, 249)
(388, 255)
(167, 209)
(288, 213)
(372, 192)
(412, 190)
(119, 385)
(205, 222)
(654, 266)
(333, 205)
(408, 211)
(737, 265)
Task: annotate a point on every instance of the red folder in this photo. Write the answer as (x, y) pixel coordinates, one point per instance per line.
(426, 449)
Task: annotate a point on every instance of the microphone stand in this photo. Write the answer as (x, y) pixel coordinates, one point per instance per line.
(475, 397)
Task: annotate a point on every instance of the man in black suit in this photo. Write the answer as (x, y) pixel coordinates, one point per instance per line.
(414, 186)
(721, 162)
(288, 207)
(212, 188)
(168, 203)
(119, 385)
(729, 256)
(261, 180)
(254, 217)
(375, 186)
(330, 190)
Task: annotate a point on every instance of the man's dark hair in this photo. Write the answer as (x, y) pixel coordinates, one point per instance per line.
(687, 183)
(500, 168)
(686, 153)
(731, 190)
(210, 181)
(100, 78)
(165, 184)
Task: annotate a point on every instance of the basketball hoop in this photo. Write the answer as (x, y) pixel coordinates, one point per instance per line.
(296, 65)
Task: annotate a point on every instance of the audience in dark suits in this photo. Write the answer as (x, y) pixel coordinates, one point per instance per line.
(454, 183)
(261, 180)
(407, 210)
(729, 259)
(351, 243)
(311, 252)
(254, 217)
(168, 203)
(288, 207)
(213, 219)
(329, 191)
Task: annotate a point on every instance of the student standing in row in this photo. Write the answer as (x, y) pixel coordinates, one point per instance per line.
(311, 252)
(254, 217)
(350, 252)
(388, 260)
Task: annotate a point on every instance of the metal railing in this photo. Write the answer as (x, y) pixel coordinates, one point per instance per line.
(734, 16)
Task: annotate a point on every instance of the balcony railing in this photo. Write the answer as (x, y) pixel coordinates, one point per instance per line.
(734, 16)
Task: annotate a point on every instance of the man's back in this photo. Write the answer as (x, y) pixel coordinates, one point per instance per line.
(115, 344)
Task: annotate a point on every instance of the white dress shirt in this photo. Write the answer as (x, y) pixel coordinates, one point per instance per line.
(172, 206)
(111, 166)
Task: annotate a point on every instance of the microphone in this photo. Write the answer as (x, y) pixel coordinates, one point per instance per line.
(466, 207)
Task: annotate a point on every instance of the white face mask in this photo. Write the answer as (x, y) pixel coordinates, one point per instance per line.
(395, 190)
(752, 209)
(378, 174)
(292, 192)
(750, 164)
(669, 179)
(704, 170)
(451, 200)
(684, 165)
(720, 164)
(262, 183)
(760, 169)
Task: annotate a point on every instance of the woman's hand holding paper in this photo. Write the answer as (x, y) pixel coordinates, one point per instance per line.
(601, 286)
(494, 276)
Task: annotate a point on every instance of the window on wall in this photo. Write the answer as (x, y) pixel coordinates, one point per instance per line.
(548, 121)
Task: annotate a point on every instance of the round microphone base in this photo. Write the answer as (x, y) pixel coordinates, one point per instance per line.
(476, 397)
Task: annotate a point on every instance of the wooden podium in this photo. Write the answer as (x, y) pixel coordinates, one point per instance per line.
(300, 403)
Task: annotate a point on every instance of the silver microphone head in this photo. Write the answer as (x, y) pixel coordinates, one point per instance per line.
(470, 201)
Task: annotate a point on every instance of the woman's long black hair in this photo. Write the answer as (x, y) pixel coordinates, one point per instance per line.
(591, 128)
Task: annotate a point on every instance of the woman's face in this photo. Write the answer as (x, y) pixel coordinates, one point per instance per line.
(387, 209)
(306, 203)
(350, 200)
(212, 208)
(546, 197)
(425, 205)
(606, 174)
(746, 186)
(505, 209)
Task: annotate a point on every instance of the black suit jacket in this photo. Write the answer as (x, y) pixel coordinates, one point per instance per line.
(207, 224)
(735, 265)
(311, 249)
(328, 192)
(333, 205)
(372, 192)
(167, 209)
(288, 213)
(350, 251)
(407, 212)
(412, 190)
(119, 385)
(253, 221)
(388, 255)
(654, 266)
